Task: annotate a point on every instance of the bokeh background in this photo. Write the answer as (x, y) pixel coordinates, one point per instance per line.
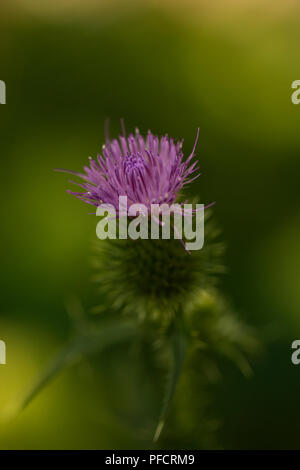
(226, 66)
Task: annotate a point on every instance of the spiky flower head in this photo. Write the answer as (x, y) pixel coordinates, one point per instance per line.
(149, 278)
(148, 170)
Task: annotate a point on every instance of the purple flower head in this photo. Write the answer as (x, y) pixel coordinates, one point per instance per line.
(148, 170)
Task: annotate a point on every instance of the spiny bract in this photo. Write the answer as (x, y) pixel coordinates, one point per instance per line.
(153, 278)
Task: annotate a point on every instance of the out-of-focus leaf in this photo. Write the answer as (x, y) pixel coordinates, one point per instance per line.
(87, 344)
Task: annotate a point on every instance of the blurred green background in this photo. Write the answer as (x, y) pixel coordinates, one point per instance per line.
(169, 66)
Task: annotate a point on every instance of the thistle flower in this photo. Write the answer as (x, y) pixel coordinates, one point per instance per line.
(148, 170)
(154, 279)
(149, 278)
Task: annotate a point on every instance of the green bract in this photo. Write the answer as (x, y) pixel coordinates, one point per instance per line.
(151, 279)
